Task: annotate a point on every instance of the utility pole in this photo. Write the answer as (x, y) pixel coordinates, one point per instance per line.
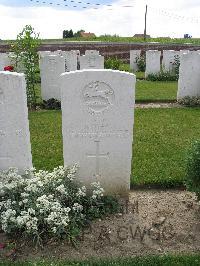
(145, 25)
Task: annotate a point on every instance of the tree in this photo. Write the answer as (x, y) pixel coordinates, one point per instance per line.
(65, 32)
(71, 34)
(78, 33)
(25, 49)
(68, 34)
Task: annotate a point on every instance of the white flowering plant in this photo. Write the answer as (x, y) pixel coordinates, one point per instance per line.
(49, 204)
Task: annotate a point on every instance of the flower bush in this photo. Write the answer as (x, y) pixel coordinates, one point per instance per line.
(162, 76)
(51, 104)
(112, 63)
(25, 49)
(49, 204)
(141, 62)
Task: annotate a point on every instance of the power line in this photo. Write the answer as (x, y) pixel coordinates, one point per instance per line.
(169, 14)
(89, 5)
(86, 4)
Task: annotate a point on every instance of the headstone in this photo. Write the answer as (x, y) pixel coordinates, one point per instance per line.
(44, 53)
(57, 52)
(91, 62)
(70, 60)
(51, 67)
(168, 62)
(78, 58)
(152, 62)
(97, 126)
(189, 75)
(77, 52)
(91, 52)
(134, 54)
(15, 147)
(4, 60)
(183, 52)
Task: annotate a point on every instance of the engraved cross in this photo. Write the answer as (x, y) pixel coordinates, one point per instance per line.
(98, 156)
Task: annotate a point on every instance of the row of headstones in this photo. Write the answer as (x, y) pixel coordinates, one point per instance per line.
(97, 125)
(153, 60)
(53, 64)
(72, 59)
(189, 70)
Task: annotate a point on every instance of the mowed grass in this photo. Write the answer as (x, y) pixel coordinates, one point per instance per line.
(115, 38)
(151, 91)
(166, 260)
(161, 140)
(46, 139)
(146, 91)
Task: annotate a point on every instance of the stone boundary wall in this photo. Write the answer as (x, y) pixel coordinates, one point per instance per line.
(110, 49)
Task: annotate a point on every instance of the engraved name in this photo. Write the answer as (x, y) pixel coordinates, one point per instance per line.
(118, 134)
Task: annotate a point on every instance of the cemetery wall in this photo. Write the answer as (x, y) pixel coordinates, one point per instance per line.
(120, 50)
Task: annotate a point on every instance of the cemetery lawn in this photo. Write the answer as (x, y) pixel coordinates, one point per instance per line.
(151, 91)
(166, 260)
(161, 140)
(140, 75)
(146, 91)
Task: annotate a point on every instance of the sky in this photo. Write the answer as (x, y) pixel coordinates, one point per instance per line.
(171, 18)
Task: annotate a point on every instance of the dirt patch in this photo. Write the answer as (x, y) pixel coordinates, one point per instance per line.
(152, 222)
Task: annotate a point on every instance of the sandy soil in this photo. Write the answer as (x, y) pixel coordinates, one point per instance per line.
(152, 222)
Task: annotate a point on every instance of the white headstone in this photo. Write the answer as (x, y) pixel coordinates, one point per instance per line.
(71, 60)
(189, 75)
(78, 58)
(57, 52)
(134, 54)
(91, 52)
(152, 62)
(169, 59)
(4, 60)
(44, 53)
(76, 51)
(91, 62)
(51, 67)
(15, 148)
(183, 52)
(97, 126)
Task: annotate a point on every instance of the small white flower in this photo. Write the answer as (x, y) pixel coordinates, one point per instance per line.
(77, 207)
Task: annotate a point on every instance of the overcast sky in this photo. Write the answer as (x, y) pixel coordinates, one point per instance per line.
(165, 18)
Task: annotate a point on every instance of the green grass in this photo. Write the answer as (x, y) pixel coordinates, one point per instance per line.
(140, 75)
(149, 91)
(146, 91)
(108, 38)
(167, 260)
(127, 40)
(46, 139)
(161, 139)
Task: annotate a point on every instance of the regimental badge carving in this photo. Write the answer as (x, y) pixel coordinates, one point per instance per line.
(98, 96)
